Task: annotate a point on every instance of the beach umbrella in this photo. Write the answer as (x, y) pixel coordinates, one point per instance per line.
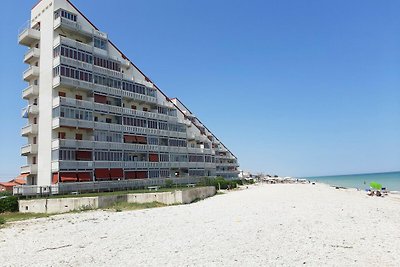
(375, 185)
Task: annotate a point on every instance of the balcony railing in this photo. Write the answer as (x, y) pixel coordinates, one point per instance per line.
(31, 72)
(30, 109)
(28, 36)
(29, 129)
(72, 83)
(32, 90)
(70, 42)
(76, 165)
(29, 149)
(32, 54)
(29, 169)
(73, 63)
(58, 122)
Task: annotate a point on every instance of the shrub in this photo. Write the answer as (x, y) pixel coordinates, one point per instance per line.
(2, 220)
(169, 183)
(206, 181)
(9, 204)
(5, 193)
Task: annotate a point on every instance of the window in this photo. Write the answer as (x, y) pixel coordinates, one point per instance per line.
(78, 136)
(67, 154)
(61, 135)
(74, 73)
(164, 157)
(133, 107)
(78, 97)
(100, 43)
(152, 140)
(152, 124)
(62, 94)
(154, 173)
(162, 125)
(65, 14)
(34, 140)
(33, 160)
(145, 109)
(165, 173)
(105, 63)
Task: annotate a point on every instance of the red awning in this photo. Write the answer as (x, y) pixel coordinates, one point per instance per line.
(84, 176)
(116, 174)
(141, 174)
(66, 177)
(130, 175)
(100, 99)
(141, 139)
(102, 174)
(55, 178)
(84, 155)
(130, 138)
(153, 157)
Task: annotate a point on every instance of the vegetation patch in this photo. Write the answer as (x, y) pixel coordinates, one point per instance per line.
(8, 204)
(220, 183)
(16, 216)
(124, 206)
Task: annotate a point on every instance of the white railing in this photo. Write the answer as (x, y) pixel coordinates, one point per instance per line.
(73, 62)
(57, 122)
(27, 35)
(30, 90)
(31, 169)
(69, 42)
(69, 82)
(28, 149)
(65, 165)
(31, 71)
(32, 52)
(29, 129)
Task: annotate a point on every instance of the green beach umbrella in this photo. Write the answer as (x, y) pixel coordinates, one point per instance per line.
(375, 185)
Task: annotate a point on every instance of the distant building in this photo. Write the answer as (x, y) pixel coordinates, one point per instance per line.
(8, 186)
(93, 115)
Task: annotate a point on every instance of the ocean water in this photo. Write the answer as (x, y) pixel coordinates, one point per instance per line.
(390, 180)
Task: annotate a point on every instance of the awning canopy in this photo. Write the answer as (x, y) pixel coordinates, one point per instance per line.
(84, 176)
(116, 174)
(102, 174)
(66, 177)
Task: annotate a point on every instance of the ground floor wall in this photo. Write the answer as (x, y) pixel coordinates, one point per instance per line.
(62, 205)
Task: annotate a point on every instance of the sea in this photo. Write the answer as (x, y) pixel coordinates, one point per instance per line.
(389, 180)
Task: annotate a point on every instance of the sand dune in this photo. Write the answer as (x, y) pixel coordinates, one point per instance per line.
(286, 225)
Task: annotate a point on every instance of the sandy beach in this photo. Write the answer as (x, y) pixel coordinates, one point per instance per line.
(275, 225)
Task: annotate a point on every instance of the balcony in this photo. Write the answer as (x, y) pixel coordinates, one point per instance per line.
(76, 28)
(30, 109)
(29, 149)
(70, 42)
(71, 143)
(72, 62)
(28, 36)
(32, 55)
(75, 123)
(30, 73)
(30, 91)
(30, 129)
(29, 169)
(72, 83)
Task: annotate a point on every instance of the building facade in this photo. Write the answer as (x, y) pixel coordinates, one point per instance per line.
(94, 116)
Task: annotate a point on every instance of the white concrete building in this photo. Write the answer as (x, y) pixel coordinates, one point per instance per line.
(94, 116)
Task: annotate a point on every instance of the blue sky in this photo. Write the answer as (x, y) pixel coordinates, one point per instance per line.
(296, 88)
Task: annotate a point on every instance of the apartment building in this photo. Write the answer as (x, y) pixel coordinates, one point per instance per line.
(92, 115)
